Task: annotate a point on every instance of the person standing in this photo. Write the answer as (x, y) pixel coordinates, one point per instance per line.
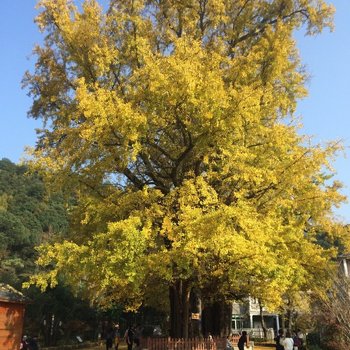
(243, 339)
(287, 342)
(297, 342)
(116, 336)
(129, 337)
(302, 338)
(33, 344)
(278, 339)
(109, 339)
(229, 345)
(137, 336)
(24, 343)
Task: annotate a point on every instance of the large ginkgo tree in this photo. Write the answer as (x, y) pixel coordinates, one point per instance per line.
(171, 125)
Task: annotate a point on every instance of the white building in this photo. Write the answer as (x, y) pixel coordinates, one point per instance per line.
(246, 316)
(344, 264)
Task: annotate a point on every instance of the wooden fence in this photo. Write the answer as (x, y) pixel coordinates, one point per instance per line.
(186, 344)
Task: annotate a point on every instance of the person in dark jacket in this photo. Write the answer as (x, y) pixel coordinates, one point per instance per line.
(129, 337)
(109, 339)
(279, 346)
(33, 343)
(116, 336)
(24, 343)
(243, 339)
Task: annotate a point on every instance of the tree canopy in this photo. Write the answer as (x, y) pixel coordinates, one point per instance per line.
(28, 216)
(172, 122)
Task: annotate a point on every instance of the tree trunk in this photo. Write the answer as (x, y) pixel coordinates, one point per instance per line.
(207, 321)
(283, 321)
(174, 313)
(217, 319)
(196, 308)
(179, 294)
(226, 323)
(185, 310)
(262, 320)
(289, 318)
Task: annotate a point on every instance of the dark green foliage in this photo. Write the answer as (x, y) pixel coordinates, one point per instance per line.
(15, 234)
(59, 317)
(28, 216)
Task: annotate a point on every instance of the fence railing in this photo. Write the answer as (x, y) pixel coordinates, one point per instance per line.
(259, 333)
(215, 343)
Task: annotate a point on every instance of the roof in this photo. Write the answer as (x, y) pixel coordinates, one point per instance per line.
(11, 295)
(344, 256)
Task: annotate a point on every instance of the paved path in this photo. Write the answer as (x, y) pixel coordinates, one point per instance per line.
(102, 347)
(123, 347)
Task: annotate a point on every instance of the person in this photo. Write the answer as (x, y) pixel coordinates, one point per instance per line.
(137, 336)
(301, 336)
(32, 344)
(129, 337)
(297, 342)
(109, 339)
(243, 339)
(287, 341)
(279, 346)
(24, 343)
(229, 345)
(116, 336)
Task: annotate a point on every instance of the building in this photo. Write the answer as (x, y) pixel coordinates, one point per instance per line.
(344, 264)
(246, 316)
(12, 304)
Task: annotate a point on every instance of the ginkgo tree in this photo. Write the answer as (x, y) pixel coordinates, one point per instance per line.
(171, 124)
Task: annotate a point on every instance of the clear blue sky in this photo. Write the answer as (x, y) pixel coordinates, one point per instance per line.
(325, 113)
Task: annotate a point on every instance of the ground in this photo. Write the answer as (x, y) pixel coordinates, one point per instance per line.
(103, 347)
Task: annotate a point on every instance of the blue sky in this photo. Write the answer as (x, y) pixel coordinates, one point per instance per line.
(325, 113)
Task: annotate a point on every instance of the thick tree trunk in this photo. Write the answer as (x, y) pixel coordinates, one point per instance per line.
(262, 320)
(175, 322)
(226, 319)
(217, 319)
(179, 294)
(186, 310)
(196, 309)
(207, 321)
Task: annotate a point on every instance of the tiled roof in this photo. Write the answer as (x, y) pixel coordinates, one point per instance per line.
(10, 294)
